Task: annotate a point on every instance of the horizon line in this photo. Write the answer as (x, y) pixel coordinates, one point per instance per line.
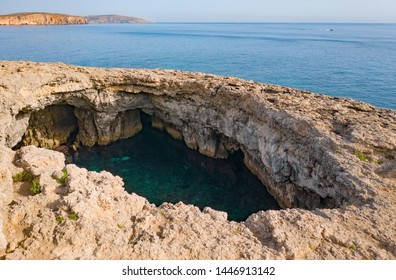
(284, 22)
(225, 21)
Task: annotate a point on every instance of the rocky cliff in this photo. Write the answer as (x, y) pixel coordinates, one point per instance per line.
(40, 19)
(330, 162)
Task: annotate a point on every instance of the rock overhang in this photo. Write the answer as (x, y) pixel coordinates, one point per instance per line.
(304, 147)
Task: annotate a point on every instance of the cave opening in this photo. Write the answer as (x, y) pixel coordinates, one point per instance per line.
(162, 169)
(54, 127)
(152, 163)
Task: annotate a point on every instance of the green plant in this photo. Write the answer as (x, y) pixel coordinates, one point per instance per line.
(362, 156)
(36, 187)
(62, 180)
(120, 226)
(22, 176)
(338, 151)
(59, 219)
(353, 247)
(380, 161)
(73, 216)
(18, 177)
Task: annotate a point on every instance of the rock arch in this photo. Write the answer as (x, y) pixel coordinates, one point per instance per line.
(290, 138)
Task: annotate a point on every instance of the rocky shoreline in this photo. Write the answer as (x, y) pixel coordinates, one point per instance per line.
(330, 162)
(41, 19)
(62, 19)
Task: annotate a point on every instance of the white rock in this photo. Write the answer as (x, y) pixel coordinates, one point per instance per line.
(39, 161)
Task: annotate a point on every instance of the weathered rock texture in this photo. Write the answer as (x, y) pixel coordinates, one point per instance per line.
(50, 127)
(332, 155)
(40, 19)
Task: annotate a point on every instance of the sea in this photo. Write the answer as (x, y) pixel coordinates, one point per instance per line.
(346, 60)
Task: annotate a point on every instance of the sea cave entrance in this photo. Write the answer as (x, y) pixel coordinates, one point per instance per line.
(162, 169)
(151, 163)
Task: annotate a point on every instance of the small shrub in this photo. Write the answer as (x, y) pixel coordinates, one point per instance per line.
(36, 187)
(362, 156)
(59, 219)
(73, 216)
(353, 247)
(18, 177)
(339, 152)
(62, 180)
(23, 176)
(380, 161)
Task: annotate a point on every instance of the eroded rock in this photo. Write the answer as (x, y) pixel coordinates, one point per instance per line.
(310, 151)
(38, 161)
(40, 19)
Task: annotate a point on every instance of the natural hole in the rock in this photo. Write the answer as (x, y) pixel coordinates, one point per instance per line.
(53, 127)
(154, 165)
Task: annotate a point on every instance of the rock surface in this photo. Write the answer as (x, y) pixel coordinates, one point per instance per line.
(332, 155)
(40, 19)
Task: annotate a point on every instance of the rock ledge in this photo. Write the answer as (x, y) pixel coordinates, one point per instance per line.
(329, 161)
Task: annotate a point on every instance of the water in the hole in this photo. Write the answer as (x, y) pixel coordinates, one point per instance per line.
(162, 169)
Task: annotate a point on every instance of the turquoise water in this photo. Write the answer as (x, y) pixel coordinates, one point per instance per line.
(156, 166)
(353, 60)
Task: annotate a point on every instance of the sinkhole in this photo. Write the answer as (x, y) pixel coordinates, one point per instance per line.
(162, 169)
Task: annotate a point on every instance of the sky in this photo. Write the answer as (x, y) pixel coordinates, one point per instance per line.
(218, 10)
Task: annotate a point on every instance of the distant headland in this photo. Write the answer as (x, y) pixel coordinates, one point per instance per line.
(38, 18)
(115, 19)
(41, 19)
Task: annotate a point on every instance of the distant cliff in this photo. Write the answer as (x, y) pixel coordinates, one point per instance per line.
(115, 19)
(41, 19)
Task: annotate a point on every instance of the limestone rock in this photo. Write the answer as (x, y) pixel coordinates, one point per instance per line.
(39, 161)
(3, 241)
(6, 189)
(103, 128)
(216, 215)
(331, 158)
(6, 184)
(40, 19)
(50, 127)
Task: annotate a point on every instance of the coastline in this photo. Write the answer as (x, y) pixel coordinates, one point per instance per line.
(338, 204)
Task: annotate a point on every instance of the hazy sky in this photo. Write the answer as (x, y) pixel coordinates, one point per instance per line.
(219, 10)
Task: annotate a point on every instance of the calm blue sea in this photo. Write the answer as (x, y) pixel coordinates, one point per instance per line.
(349, 60)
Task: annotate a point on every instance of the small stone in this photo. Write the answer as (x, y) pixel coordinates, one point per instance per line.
(216, 215)
(38, 161)
(58, 174)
